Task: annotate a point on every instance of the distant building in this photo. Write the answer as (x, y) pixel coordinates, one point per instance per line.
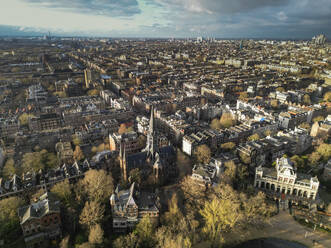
(65, 153)
(129, 206)
(284, 180)
(41, 221)
(204, 174)
(158, 160)
(45, 122)
(319, 39)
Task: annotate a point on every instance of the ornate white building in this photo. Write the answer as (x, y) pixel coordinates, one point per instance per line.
(285, 180)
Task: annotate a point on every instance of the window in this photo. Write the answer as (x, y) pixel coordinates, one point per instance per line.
(285, 180)
(291, 181)
(280, 179)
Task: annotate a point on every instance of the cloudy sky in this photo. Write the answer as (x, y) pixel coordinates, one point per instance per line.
(168, 18)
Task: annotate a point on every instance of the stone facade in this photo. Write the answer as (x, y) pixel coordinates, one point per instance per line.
(285, 180)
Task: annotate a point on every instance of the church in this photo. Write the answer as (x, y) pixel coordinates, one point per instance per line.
(160, 161)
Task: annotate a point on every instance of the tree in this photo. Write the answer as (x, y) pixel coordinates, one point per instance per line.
(122, 129)
(244, 158)
(228, 146)
(24, 119)
(253, 137)
(78, 153)
(280, 89)
(327, 96)
(38, 161)
(9, 221)
(305, 125)
(135, 176)
(203, 154)
(215, 124)
(129, 241)
(9, 168)
(306, 99)
(318, 118)
(230, 171)
(76, 140)
(174, 215)
(145, 230)
(324, 150)
(220, 215)
(92, 214)
(268, 132)
(98, 185)
(62, 191)
(298, 161)
(93, 92)
(227, 120)
(243, 95)
(314, 158)
(194, 194)
(96, 235)
(274, 104)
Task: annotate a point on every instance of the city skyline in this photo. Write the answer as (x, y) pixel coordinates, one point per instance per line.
(283, 19)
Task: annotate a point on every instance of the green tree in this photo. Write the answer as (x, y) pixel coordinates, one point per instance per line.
(135, 176)
(62, 191)
(230, 171)
(9, 222)
(325, 151)
(203, 154)
(298, 161)
(9, 168)
(145, 232)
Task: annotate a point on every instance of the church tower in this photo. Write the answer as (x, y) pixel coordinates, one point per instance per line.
(123, 164)
(151, 143)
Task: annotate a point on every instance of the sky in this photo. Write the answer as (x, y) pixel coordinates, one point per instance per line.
(283, 19)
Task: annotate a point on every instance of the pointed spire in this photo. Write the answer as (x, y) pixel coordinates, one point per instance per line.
(124, 153)
(121, 150)
(151, 121)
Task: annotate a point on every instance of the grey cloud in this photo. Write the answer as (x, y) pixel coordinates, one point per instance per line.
(95, 7)
(223, 6)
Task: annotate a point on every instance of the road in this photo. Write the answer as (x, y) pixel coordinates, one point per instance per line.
(283, 226)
